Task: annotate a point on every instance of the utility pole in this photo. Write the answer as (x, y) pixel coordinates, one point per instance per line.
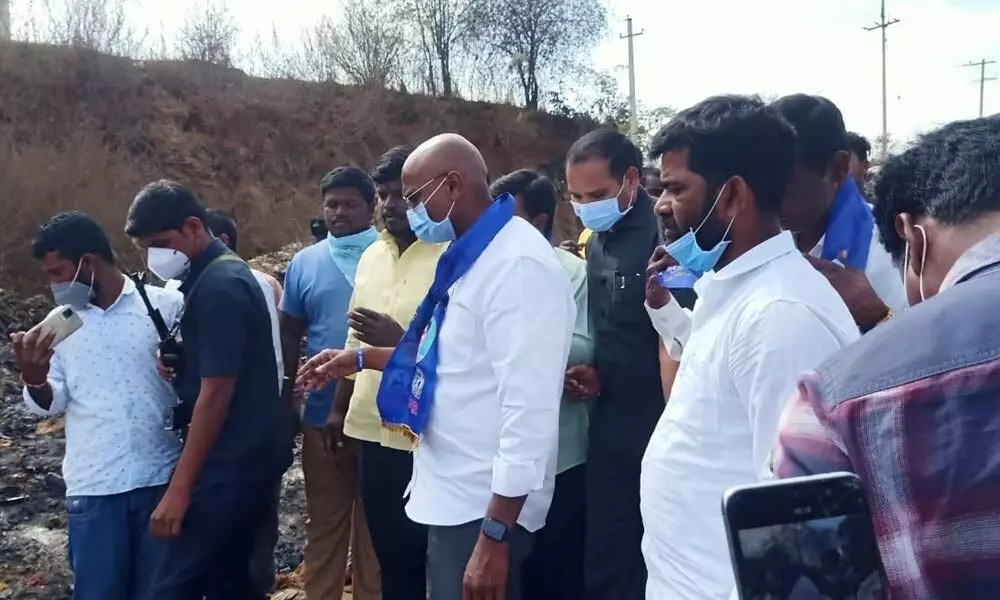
(883, 25)
(4, 20)
(633, 124)
(982, 79)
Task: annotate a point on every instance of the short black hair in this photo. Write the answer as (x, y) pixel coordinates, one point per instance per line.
(163, 206)
(732, 135)
(859, 145)
(220, 223)
(350, 177)
(819, 129)
(951, 174)
(390, 165)
(539, 194)
(71, 235)
(610, 145)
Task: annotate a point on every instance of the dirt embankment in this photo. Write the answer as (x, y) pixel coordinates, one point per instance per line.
(86, 131)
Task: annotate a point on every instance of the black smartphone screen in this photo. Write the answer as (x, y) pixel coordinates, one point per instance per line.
(806, 539)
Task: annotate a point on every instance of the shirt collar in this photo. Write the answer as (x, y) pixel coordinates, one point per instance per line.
(983, 255)
(127, 289)
(764, 252)
(214, 250)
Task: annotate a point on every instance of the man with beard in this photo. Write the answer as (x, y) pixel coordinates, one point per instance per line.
(318, 288)
(830, 218)
(393, 276)
(763, 316)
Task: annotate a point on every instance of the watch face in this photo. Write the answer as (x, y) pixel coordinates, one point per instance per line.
(495, 530)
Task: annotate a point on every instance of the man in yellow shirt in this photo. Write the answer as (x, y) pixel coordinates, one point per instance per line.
(393, 276)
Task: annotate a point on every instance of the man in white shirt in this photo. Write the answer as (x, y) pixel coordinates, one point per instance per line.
(480, 388)
(830, 217)
(762, 317)
(119, 454)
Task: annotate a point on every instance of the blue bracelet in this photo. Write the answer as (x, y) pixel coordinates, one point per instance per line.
(359, 358)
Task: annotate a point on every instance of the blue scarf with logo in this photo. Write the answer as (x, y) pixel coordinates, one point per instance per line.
(406, 394)
(849, 228)
(346, 251)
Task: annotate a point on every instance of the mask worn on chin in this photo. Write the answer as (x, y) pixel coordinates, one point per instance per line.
(424, 227)
(690, 255)
(923, 263)
(167, 263)
(73, 293)
(602, 215)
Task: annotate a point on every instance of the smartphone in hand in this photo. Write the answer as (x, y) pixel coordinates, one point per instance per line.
(804, 538)
(59, 324)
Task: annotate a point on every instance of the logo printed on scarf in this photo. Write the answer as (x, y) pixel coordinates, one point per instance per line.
(417, 386)
(427, 340)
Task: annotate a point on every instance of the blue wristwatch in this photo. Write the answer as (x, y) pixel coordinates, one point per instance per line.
(495, 530)
(359, 359)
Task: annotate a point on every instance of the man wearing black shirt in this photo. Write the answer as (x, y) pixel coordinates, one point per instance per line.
(239, 442)
(603, 173)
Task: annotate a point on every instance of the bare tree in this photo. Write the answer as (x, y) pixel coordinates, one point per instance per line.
(443, 25)
(537, 37)
(209, 34)
(4, 19)
(99, 25)
(366, 46)
(319, 51)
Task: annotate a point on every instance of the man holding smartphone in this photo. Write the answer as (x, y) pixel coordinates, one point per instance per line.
(240, 437)
(103, 377)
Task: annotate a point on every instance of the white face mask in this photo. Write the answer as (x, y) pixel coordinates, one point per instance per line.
(167, 263)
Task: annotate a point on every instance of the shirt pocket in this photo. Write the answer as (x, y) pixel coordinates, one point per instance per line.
(457, 338)
(694, 400)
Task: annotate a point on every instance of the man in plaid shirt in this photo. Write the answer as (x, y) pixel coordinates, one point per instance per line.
(912, 408)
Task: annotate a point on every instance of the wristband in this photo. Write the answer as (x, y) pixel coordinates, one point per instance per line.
(359, 359)
(34, 386)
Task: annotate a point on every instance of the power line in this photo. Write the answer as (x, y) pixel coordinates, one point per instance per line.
(633, 125)
(882, 24)
(982, 79)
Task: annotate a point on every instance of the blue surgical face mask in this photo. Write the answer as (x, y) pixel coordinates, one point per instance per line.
(689, 254)
(424, 227)
(602, 215)
(73, 292)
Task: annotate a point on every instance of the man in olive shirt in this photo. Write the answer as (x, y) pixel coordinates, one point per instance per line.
(604, 176)
(554, 570)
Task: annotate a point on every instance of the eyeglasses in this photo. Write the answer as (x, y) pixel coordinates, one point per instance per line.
(411, 198)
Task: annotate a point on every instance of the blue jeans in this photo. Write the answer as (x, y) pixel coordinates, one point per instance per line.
(110, 549)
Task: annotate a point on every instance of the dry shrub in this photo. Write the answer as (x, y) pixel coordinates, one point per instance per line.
(85, 131)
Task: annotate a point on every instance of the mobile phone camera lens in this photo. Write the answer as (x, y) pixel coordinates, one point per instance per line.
(67, 313)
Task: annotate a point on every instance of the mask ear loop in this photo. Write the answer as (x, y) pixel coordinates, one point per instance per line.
(923, 264)
(711, 210)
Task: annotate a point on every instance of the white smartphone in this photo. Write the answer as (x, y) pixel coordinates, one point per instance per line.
(803, 538)
(61, 323)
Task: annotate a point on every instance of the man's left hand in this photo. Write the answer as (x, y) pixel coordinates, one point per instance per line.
(375, 328)
(855, 289)
(166, 520)
(487, 571)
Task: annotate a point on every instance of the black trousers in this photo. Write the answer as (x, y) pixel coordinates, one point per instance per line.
(400, 544)
(554, 569)
(614, 568)
(450, 549)
(211, 557)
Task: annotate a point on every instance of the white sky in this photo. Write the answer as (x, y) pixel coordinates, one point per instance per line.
(695, 48)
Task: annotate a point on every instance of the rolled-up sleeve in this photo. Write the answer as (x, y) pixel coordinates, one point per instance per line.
(673, 323)
(60, 394)
(529, 316)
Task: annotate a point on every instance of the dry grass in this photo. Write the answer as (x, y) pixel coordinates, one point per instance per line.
(85, 131)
